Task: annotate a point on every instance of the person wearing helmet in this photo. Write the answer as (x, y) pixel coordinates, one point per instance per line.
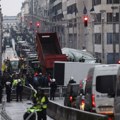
(53, 87)
(72, 80)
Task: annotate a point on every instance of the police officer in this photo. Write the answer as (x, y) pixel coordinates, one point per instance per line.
(53, 87)
(33, 112)
(43, 103)
(8, 86)
(18, 84)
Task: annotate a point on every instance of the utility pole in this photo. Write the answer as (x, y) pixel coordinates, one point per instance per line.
(114, 32)
(119, 31)
(102, 35)
(0, 38)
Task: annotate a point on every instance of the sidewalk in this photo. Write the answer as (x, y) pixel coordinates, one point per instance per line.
(16, 110)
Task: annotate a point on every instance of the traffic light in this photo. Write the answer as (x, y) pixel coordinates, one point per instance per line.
(85, 21)
(37, 24)
(118, 61)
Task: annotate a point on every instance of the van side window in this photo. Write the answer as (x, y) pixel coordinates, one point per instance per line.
(106, 84)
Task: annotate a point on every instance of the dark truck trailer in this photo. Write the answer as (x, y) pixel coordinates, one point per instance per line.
(49, 50)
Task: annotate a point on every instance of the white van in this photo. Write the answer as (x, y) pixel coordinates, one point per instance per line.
(117, 98)
(100, 88)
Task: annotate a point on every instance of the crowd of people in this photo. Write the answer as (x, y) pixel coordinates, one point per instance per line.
(14, 81)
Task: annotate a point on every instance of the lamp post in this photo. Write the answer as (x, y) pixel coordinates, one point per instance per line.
(102, 35)
(119, 31)
(93, 39)
(0, 38)
(114, 8)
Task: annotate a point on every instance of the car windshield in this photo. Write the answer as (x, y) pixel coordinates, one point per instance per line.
(106, 84)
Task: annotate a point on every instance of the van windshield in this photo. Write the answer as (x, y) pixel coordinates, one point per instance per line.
(106, 84)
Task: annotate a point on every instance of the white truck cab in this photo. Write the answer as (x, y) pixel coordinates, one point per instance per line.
(100, 88)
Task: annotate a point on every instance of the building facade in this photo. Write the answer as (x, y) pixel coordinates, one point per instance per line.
(66, 17)
(107, 30)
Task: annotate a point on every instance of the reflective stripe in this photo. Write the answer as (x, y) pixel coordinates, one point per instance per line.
(33, 109)
(43, 100)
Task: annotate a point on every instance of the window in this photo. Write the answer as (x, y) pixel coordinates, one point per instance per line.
(98, 18)
(96, 2)
(72, 9)
(109, 38)
(110, 58)
(97, 38)
(106, 84)
(112, 1)
(110, 17)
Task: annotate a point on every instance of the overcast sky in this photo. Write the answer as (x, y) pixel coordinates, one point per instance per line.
(11, 7)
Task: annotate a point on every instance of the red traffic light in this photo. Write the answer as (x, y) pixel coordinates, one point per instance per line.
(37, 24)
(118, 61)
(85, 21)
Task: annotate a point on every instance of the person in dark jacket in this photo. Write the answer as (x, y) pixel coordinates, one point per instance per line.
(1, 86)
(53, 87)
(8, 85)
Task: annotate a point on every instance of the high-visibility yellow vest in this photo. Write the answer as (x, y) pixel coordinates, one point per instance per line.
(4, 67)
(15, 82)
(43, 100)
(34, 109)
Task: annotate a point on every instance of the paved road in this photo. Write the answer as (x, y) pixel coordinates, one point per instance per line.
(16, 110)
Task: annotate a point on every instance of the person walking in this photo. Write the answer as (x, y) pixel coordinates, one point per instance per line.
(53, 87)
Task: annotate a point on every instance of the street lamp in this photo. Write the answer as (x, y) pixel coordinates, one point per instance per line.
(114, 8)
(102, 35)
(0, 38)
(93, 39)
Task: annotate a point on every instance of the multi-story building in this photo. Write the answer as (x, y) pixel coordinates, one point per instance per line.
(106, 30)
(10, 21)
(66, 17)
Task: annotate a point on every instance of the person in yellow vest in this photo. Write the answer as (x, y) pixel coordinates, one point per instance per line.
(39, 107)
(18, 84)
(43, 102)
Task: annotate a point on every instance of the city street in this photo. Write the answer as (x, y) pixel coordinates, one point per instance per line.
(16, 110)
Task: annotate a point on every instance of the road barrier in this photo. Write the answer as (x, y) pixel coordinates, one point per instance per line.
(4, 116)
(59, 112)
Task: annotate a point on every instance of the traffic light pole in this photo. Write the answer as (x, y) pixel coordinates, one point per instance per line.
(102, 36)
(0, 39)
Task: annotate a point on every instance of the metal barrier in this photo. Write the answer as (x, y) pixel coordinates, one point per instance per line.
(59, 112)
(4, 115)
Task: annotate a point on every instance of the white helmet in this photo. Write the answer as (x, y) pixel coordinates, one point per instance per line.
(53, 80)
(72, 78)
(19, 80)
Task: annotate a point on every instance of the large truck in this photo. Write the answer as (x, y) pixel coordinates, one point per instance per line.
(62, 71)
(49, 51)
